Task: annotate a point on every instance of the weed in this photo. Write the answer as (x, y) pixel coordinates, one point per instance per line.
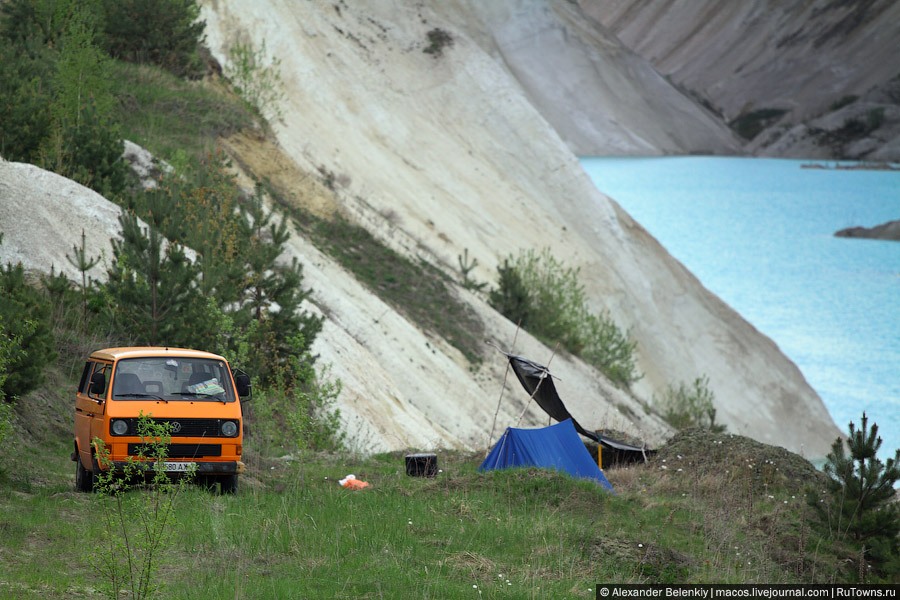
(465, 267)
(259, 84)
(137, 522)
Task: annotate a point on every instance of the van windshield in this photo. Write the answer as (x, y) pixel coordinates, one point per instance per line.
(172, 378)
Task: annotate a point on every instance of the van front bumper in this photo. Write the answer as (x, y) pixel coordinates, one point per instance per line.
(181, 466)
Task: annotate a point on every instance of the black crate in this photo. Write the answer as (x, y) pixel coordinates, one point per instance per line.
(421, 465)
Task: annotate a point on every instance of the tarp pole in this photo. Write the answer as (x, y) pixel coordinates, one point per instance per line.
(544, 376)
(600, 456)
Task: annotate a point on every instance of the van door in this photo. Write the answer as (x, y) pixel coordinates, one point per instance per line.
(89, 408)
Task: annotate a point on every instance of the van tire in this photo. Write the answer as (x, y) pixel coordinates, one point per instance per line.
(84, 479)
(229, 484)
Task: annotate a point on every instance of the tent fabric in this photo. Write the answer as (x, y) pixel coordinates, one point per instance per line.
(556, 447)
(538, 382)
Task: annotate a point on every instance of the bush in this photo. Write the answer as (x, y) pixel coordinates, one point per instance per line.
(545, 298)
(258, 84)
(139, 526)
(685, 406)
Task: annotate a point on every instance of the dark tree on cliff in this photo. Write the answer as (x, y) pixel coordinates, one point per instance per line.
(166, 33)
(151, 284)
(279, 330)
(25, 325)
(860, 502)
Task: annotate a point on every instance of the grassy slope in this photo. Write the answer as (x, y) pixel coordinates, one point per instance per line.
(709, 509)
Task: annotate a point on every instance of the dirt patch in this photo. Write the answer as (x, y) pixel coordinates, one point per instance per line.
(260, 157)
(736, 458)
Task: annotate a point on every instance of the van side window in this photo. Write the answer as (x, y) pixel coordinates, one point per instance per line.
(106, 370)
(85, 377)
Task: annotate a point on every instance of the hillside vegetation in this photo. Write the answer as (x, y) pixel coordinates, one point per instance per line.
(708, 508)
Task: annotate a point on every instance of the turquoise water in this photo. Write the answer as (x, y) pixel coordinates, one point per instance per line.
(759, 233)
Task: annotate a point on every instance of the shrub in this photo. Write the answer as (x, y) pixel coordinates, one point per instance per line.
(465, 267)
(258, 84)
(545, 298)
(689, 405)
(138, 525)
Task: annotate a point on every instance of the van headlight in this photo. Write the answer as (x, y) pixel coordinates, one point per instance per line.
(229, 429)
(119, 427)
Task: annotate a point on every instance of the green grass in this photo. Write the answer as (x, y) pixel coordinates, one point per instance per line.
(293, 532)
(168, 115)
(415, 289)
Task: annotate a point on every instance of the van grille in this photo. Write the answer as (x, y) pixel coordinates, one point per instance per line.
(180, 450)
(185, 427)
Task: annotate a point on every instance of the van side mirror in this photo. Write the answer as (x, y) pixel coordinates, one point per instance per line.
(244, 387)
(98, 384)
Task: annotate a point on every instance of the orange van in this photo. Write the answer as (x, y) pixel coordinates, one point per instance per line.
(195, 392)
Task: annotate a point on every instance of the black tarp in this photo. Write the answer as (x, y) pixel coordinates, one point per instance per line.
(538, 382)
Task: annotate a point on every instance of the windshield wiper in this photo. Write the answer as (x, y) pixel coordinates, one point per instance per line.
(154, 396)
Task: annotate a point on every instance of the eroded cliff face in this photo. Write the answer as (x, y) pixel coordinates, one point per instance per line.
(443, 152)
(818, 79)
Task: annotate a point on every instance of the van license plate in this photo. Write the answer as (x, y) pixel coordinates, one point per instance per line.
(177, 466)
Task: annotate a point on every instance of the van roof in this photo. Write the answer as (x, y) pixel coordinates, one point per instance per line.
(113, 354)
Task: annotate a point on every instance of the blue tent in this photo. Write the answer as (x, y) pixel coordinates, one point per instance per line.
(555, 447)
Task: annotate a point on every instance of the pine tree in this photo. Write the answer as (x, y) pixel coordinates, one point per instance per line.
(25, 313)
(861, 501)
(152, 285)
(280, 332)
(84, 142)
(167, 33)
(84, 263)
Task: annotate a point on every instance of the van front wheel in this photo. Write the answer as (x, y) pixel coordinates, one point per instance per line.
(84, 479)
(229, 484)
